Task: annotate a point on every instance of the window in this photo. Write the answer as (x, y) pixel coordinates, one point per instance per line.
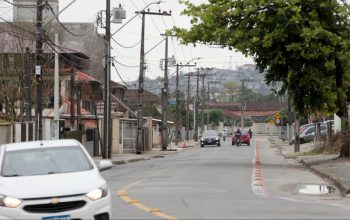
(44, 161)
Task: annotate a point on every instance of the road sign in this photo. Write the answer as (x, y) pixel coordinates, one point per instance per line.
(278, 116)
(278, 121)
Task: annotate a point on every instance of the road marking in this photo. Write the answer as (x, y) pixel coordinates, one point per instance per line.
(217, 150)
(123, 194)
(258, 183)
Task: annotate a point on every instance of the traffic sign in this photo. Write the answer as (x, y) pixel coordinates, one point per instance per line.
(278, 116)
(278, 121)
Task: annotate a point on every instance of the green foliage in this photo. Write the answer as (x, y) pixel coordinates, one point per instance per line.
(151, 110)
(301, 43)
(216, 116)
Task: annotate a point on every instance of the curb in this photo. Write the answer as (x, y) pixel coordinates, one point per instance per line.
(147, 157)
(344, 190)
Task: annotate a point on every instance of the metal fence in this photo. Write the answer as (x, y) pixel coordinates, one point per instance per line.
(128, 133)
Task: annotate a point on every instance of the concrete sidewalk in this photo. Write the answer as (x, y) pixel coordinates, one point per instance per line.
(328, 166)
(124, 158)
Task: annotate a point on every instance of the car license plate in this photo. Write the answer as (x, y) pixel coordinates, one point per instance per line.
(60, 217)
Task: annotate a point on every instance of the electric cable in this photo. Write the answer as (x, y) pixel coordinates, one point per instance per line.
(126, 47)
(23, 6)
(16, 34)
(119, 74)
(64, 27)
(125, 64)
(15, 26)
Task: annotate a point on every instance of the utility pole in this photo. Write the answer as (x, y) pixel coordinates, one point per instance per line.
(178, 101)
(177, 107)
(165, 99)
(38, 69)
(106, 152)
(56, 92)
(203, 101)
(242, 106)
(72, 111)
(188, 106)
(210, 82)
(177, 131)
(203, 75)
(196, 108)
(27, 86)
(140, 134)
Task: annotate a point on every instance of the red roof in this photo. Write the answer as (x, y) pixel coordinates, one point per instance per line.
(237, 114)
(81, 76)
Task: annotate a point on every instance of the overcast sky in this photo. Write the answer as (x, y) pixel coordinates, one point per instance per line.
(130, 35)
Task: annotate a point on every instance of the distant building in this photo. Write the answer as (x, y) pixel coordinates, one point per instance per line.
(132, 98)
(257, 111)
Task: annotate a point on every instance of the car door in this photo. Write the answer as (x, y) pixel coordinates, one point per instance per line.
(309, 134)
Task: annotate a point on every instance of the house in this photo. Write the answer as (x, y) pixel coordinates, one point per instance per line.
(81, 50)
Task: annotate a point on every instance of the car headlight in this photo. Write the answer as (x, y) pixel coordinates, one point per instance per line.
(202, 139)
(98, 193)
(217, 139)
(9, 202)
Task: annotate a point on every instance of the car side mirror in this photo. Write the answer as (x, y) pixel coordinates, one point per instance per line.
(105, 165)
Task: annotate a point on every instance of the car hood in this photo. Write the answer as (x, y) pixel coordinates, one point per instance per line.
(51, 185)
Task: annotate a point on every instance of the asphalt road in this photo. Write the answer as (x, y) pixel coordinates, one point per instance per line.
(247, 182)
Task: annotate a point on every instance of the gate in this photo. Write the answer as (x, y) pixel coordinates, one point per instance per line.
(128, 135)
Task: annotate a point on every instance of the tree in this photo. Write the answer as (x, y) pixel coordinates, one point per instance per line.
(303, 44)
(216, 116)
(13, 43)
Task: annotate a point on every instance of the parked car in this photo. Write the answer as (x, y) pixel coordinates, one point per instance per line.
(308, 134)
(245, 138)
(210, 137)
(52, 180)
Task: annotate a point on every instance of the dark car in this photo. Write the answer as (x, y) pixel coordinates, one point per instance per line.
(210, 137)
(245, 138)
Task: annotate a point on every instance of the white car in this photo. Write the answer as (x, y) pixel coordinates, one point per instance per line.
(52, 180)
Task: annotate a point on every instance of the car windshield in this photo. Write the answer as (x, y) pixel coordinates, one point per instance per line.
(44, 161)
(210, 133)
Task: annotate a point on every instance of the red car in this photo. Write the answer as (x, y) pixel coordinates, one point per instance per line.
(245, 138)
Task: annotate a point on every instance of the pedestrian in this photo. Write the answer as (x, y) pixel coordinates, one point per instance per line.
(250, 133)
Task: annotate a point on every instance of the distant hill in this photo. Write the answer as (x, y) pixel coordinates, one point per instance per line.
(254, 80)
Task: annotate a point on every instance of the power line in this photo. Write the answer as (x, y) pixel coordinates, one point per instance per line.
(136, 66)
(119, 74)
(15, 26)
(23, 6)
(64, 27)
(126, 47)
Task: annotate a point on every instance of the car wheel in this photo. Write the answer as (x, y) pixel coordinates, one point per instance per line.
(248, 143)
(302, 141)
(202, 145)
(218, 144)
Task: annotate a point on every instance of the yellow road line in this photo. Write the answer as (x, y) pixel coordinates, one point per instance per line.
(123, 194)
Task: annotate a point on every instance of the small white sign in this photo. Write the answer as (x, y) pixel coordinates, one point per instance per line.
(38, 70)
(278, 121)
